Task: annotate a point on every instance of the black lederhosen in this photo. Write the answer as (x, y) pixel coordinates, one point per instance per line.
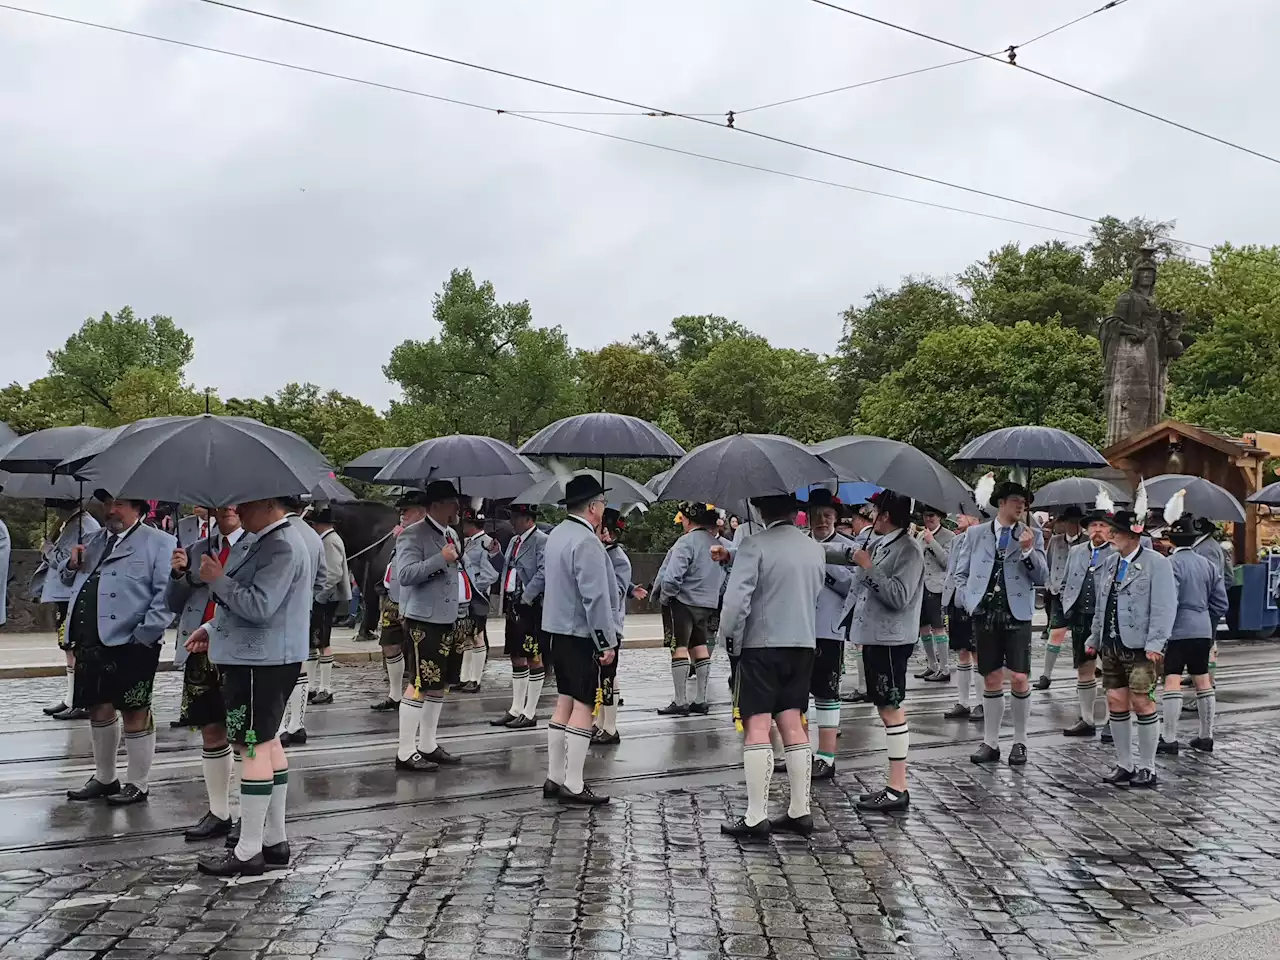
(1191, 655)
(522, 631)
(691, 625)
(576, 667)
(609, 679)
(391, 632)
(771, 680)
(959, 628)
(1080, 620)
(255, 698)
(886, 671)
(1053, 609)
(1000, 638)
(433, 655)
(60, 623)
(668, 627)
(322, 615)
(828, 665)
(202, 703)
(931, 611)
(122, 676)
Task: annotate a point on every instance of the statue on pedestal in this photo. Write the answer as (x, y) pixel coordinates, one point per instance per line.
(1139, 340)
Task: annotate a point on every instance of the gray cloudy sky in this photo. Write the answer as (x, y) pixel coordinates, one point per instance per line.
(298, 226)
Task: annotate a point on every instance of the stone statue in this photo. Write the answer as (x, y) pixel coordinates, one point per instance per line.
(1139, 340)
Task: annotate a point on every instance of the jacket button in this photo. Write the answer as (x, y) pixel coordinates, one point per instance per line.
(113, 594)
(113, 616)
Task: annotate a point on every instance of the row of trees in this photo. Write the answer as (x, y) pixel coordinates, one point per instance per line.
(936, 360)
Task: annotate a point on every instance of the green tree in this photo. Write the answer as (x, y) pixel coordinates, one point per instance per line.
(1047, 280)
(624, 378)
(964, 381)
(339, 426)
(691, 338)
(1116, 244)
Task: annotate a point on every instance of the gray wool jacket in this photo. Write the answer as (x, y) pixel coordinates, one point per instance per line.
(937, 557)
(1202, 596)
(581, 587)
(428, 585)
(315, 554)
(883, 606)
(836, 584)
(688, 572)
(773, 590)
(264, 602)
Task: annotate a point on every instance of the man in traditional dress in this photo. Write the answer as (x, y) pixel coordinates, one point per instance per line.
(828, 659)
(523, 579)
(391, 636)
(996, 578)
(257, 640)
(960, 627)
(579, 614)
(478, 567)
(1136, 609)
(768, 619)
(1056, 552)
(690, 584)
(118, 616)
(935, 542)
(1075, 607)
(47, 586)
(862, 532)
(606, 728)
(190, 598)
(334, 593)
(293, 728)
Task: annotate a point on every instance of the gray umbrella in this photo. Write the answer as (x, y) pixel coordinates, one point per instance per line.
(453, 458)
(77, 459)
(655, 482)
(550, 490)
(899, 467)
(39, 486)
(602, 435)
(7, 435)
(1078, 492)
(734, 469)
(42, 451)
(208, 460)
(330, 490)
(1268, 496)
(366, 466)
(1203, 498)
(1030, 446)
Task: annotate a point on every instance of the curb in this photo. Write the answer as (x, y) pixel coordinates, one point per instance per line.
(1181, 941)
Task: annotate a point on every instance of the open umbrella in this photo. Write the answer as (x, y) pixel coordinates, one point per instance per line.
(37, 486)
(73, 462)
(329, 490)
(1203, 498)
(899, 467)
(43, 450)
(208, 460)
(850, 492)
(7, 435)
(454, 457)
(602, 435)
(550, 490)
(1268, 496)
(1078, 492)
(1030, 446)
(734, 469)
(655, 482)
(366, 466)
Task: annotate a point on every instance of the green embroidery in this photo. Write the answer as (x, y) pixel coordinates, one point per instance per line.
(138, 697)
(235, 722)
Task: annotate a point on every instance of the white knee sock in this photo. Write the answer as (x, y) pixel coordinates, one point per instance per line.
(1021, 712)
(897, 741)
(1087, 693)
(930, 654)
(519, 691)
(555, 752)
(575, 757)
(326, 673)
(799, 770)
(609, 716)
(432, 704)
(1172, 706)
(537, 677)
(1206, 707)
(70, 695)
(273, 829)
(216, 765)
(395, 677)
(943, 648)
(964, 683)
(140, 748)
(757, 764)
(106, 744)
(410, 717)
(311, 669)
(468, 666)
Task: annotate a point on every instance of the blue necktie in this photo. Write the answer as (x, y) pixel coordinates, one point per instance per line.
(1004, 539)
(1094, 561)
(1124, 565)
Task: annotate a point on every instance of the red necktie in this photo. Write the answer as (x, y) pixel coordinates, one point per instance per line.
(210, 608)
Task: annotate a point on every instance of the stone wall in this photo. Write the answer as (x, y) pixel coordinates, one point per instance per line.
(23, 614)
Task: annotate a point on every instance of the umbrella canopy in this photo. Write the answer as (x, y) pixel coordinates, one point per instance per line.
(208, 460)
(329, 490)
(733, 469)
(655, 482)
(42, 451)
(7, 435)
(38, 486)
(1030, 447)
(1203, 498)
(75, 461)
(454, 458)
(1268, 496)
(366, 466)
(601, 435)
(851, 492)
(899, 467)
(1078, 492)
(622, 490)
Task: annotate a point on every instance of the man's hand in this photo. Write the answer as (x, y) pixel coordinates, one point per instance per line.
(607, 656)
(1156, 658)
(1090, 653)
(640, 593)
(862, 559)
(493, 547)
(1027, 540)
(720, 554)
(397, 529)
(76, 558)
(450, 553)
(927, 535)
(198, 642)
(210, 568)
(178, 562)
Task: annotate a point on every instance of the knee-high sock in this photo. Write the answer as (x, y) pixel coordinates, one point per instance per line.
(609, 716)
(469, 673)
(216, 766)
(556, 747)
(1087, 694)
(1206, 707)
(273, 828)
(311, 670)
(1171, 706)
(1122, 733)
(930, 654)
(898, 740)
(776, 744)
(680, 678)
(234, 784)
(255, 798)
(429, 721)
(828, 713)
(992, 715)
(295, 714)
(799, 772)
(395, 677)
(1148, 739)
(943, 648)
(140, 748)
(757, 764)
(576, 742)
(1021, 711)
(1050, 658)
(964, 681)
(519, 691)
(702, 668)
(106, 744)
(410, 716)
(326, 673)
(533, 690)
(70, 693)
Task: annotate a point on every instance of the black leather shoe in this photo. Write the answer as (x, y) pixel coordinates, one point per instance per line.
(323, 697)
(986, 754)
(885, 801)
(600, 738)
(95, 789)
(700, 708)
(673, 709)
(853, 698)
(975, 713)
(925, 673)
(385, 706)
(471, 686)
(550, 790)
(295, 739)
(208, 828)
(522, 723)
(958, 712)
(822, 770)
(276, 855)
(502, 721)
(72, 713)
(938, 677)
(174, 724)
(442, 757)
(803, 826)
(1169, 747)
(311, 695)
(1202, 744)
(233, 866)
(1106, 736)
(50, 710)
(747, 831)
(129, 795)
(1080, 729)
(234, 836)
(416, 764)
(1143, 780)
(1118, 777)
(1018, 755)
(1042, 684)
(587, 798)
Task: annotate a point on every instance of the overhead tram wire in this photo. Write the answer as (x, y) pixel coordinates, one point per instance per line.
(1012, 61)
(650, 108)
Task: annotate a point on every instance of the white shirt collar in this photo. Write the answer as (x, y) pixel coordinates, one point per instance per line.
(443, 531)
(232, 538)
(582, 520)
(279, 523)
(1137, 550)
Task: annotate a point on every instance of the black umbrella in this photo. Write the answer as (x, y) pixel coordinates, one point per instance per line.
(366, 466)
(550, 490)
(1030, 447)
(1203, 498)
(899, 467)
(1268, 496)
(77, 459)
(208, 460)
(36, 486)
(746, 465)
(452, 458)
(7, 435)
(602, 435)
(330, 490)
(42, 451)
(1078, 492)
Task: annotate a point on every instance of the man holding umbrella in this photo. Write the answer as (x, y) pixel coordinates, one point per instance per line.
(828, 660)
(116, 622)
(523, 567)
(579, 614)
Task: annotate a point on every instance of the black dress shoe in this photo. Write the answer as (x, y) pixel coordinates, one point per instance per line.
(233, 866)
(311, 695)
(385, 706)
(925, 673)
(1118, 777)
(786, 823)
(1202, 744)
(276, 855)
(1018, 755)
(208, 828)
(885, 801)
(129, 795)
(853, 698)
(522, 723)
(674, 709)
(1169, 747)
(295, 739)
(72, 713)
(416, 764)
(700, 708)
(50, 710)
(938, 677)
(471, 686)
(457, 687)
(174, 724)
(747, 831)
(986, 754)
(1042, 684)
(976, 713)
(550, 790)
(958, 712)
(502, 721)
(1106, 736)
(822, 770)
(605, 739)
(95, 789)
(1080, 729)
(323, 697)
(586, 798)
(1143, 780)
(234, 836)
(779, 764)
(442, 757)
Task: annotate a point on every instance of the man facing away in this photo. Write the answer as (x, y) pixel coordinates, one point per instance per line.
(523, 567)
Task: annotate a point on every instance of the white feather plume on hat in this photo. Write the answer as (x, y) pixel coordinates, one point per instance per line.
(1104, 502)
(1140, 506)
(984, 489)
(1176, 507)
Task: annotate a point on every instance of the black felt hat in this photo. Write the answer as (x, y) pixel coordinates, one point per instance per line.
(1008, 489)
(1071, 513)
(523, 510)
(1184, 531)
(582, 489)
(438, 490)
(413, 498)
(822, 497)
(1126, 521)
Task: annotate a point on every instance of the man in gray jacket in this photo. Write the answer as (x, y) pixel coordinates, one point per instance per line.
(293, 728)
(1056, 553)
(690, 583)
(960, 627)
(1075, 606)
(768, 621)
(477, 549)
(116, 625)
(334, 592)
(523, 567)
(606, 732)
(828, 660)
(1136, 609)
(579, 614)
(1202, 602)
(935, 544)
(862, 518)
(47, 586)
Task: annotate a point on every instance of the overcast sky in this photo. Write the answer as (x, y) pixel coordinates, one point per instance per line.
(298, 226)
